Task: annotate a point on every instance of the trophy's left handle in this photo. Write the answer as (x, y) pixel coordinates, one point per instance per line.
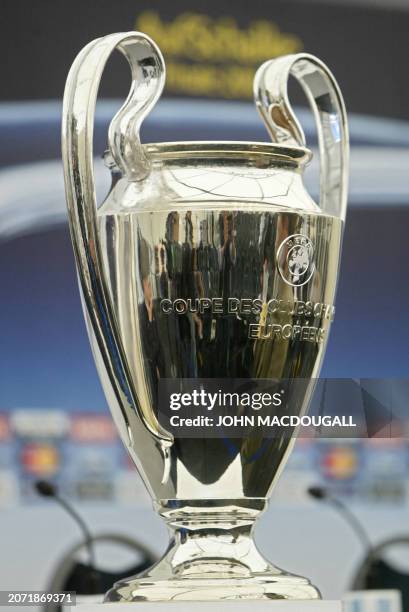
(148, 76)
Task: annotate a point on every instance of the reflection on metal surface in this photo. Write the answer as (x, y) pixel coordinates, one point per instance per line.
(185, 226)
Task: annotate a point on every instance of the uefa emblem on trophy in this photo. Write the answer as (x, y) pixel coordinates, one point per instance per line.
(207, 260)
(295, 260)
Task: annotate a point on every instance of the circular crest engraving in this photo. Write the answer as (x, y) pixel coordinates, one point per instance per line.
(295, 260)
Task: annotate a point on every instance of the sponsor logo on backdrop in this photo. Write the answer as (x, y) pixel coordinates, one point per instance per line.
(215, 57)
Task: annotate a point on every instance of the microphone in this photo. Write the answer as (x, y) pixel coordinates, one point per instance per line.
(317, 492)
(321, 494)
(47, 489)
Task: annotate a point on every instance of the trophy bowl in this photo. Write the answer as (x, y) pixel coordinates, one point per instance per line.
(207, 261)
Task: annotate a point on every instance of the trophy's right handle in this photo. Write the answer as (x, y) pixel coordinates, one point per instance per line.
(148, 75)
(325, 98)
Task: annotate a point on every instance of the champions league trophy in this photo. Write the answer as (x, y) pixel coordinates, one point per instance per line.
(206, 260)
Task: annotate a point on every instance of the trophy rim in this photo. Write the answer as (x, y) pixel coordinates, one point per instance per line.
(266, 152)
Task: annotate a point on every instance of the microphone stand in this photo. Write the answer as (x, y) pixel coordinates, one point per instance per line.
(321, 494)
(47, 489)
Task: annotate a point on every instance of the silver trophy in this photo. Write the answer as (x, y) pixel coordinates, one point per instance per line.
(206, 260)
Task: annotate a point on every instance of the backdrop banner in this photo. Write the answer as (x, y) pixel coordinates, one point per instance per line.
(212, 49)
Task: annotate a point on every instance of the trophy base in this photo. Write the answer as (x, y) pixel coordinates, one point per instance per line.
(262, 587)
(212, 557)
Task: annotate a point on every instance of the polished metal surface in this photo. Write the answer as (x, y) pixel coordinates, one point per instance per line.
(187, 230)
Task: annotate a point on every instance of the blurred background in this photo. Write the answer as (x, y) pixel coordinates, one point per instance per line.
(54, 420)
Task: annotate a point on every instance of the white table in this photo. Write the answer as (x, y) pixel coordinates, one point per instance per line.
(214, 606)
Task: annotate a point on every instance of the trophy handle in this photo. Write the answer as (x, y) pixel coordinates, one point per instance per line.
(148, 76)
(325, 98)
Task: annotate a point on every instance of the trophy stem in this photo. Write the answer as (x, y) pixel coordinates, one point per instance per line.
(212, 556)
